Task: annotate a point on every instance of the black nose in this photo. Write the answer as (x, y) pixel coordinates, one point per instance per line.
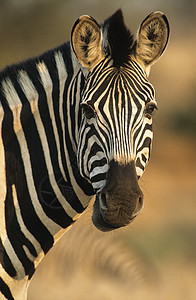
(139, 205)
(102, 202)
(121, 200)
(139, 202)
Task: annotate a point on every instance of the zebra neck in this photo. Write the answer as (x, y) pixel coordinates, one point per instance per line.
(42, 192)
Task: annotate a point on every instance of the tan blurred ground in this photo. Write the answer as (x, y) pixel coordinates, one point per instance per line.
(155, 257)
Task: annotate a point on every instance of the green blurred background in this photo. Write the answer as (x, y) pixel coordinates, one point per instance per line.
(155, 257)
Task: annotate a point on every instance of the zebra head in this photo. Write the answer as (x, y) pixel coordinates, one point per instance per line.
(117, 103)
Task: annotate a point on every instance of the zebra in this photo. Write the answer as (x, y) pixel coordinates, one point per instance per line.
(75, 122)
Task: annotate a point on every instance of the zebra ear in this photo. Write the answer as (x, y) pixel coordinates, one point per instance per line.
(153, 35)
(86, 41)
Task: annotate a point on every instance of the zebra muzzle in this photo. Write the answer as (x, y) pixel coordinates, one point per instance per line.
(120, 201)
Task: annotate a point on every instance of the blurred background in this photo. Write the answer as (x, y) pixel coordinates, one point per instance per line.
(155, 257)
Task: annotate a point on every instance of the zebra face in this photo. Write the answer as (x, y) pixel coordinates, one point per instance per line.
(115, 138)
(117, 103)
(117, 106)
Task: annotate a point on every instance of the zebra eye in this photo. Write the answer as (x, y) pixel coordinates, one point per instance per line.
(149, 109)
(88, 110)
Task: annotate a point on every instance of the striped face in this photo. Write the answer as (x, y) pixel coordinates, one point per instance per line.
(117, 121)
(116, 130)
(115, 136)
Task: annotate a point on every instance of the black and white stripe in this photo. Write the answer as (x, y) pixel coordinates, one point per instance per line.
(38, 148)
(64, 117)
(123, 128)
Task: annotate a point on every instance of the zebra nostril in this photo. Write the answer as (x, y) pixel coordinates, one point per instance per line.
(102, 201)
(139, 206)
(141, 201)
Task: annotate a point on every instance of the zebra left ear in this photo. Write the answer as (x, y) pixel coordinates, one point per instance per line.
(153, 35)
(86, 41)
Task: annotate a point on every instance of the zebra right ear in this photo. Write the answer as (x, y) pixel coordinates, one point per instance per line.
(86, 40)
(152, 38)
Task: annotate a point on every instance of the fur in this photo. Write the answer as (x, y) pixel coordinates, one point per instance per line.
(120, 39)
(86, 41)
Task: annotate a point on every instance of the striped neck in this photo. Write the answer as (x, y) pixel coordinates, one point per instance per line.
(40, 180)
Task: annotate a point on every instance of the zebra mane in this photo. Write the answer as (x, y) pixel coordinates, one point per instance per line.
(119, 39)
(30, 64)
